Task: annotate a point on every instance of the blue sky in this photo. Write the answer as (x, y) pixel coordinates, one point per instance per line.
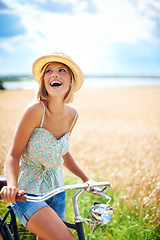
(103, 36)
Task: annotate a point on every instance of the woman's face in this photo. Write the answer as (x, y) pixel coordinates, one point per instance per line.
(57, 79)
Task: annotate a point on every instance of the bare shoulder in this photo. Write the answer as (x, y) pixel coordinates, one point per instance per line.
(72, 111)
(33, 113)
(34, 107)
(73, 116)
(30, 120)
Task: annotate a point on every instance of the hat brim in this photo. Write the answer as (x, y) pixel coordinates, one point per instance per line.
(42, 61)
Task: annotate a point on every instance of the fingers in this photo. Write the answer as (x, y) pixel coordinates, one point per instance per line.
(21, 196)
(9, 194)
(21, 192)
(89, 182)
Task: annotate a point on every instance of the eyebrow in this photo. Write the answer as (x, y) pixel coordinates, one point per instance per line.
(61, 66)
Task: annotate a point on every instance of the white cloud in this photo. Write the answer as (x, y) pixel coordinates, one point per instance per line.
(115, 21)
(7, 47)
(86, 36)
(122, 23)
(149, 8)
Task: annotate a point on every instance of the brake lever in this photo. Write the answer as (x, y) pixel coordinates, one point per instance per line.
(100, 192)
(98, 189)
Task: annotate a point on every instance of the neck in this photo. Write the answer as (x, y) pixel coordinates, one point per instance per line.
(56, 106)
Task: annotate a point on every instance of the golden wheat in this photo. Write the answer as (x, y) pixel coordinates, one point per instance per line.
(117, 138)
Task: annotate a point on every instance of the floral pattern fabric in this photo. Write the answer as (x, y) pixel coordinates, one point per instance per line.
(40, 164)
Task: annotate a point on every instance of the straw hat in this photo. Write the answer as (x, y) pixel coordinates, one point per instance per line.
(62, 58)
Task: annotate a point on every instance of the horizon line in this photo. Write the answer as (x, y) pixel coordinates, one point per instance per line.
(14, 76)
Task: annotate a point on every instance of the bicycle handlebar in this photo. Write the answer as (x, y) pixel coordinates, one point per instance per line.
(66, 188)
(88, 186)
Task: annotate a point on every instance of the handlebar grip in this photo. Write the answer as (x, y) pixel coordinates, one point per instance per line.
(21, 198)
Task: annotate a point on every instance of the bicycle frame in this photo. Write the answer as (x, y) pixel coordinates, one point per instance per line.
(78, 222)
(7, 227)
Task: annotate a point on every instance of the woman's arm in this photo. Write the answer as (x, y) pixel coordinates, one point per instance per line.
(71, 164)
(30, 119)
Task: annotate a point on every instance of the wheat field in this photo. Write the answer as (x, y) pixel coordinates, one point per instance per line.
(116, 138)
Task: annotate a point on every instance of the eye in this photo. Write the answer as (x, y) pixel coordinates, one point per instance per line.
(62, 70)
(48, 70)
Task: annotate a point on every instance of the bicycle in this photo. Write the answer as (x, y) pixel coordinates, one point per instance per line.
(100, 213)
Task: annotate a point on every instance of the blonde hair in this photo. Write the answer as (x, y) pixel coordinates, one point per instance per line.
(42, 92)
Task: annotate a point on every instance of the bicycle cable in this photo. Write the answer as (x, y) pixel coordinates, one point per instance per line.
(92, 231)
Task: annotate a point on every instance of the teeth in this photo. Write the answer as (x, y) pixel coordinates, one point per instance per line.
(55, 83)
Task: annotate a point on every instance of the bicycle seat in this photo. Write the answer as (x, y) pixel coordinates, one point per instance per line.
(3, 181)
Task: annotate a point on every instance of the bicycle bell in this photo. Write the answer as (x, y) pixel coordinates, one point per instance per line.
(101, 212)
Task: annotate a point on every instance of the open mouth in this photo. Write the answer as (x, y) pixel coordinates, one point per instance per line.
(55, 84)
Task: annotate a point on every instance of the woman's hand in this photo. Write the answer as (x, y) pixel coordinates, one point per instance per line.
(89, 182)
(9, 193)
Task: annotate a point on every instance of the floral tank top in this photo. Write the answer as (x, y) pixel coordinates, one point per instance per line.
(40, 164)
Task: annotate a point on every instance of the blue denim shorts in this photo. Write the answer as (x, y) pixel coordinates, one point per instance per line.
(24, 210)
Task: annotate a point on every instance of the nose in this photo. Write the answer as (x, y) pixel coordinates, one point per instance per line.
(55, 74)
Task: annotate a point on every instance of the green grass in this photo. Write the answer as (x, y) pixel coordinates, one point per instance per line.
(128, 221)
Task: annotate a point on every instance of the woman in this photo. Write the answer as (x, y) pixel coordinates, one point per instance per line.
(41, 145)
